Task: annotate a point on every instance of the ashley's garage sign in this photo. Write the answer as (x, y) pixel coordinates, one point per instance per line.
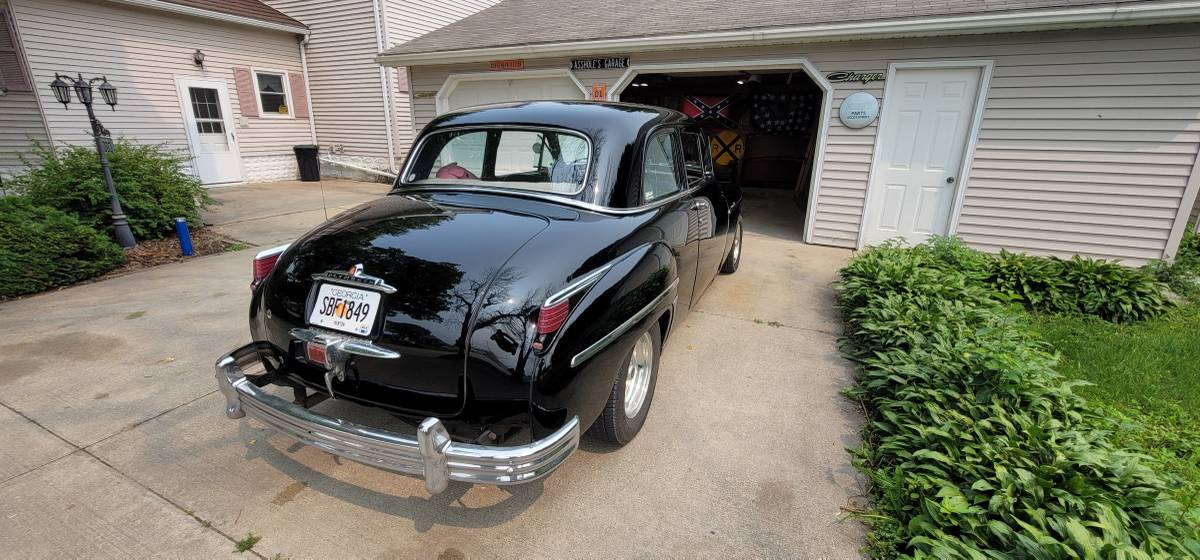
(604, 63)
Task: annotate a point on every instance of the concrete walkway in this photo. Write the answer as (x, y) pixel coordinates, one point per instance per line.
(113, 443)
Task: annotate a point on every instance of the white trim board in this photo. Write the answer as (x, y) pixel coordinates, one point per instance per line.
(1112, 15)
(209, 14)
(803, 64)
(452, 81)
(1190, 193)
(964, 171)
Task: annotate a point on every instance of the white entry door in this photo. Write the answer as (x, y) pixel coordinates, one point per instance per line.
(209, 123)
(923, 135)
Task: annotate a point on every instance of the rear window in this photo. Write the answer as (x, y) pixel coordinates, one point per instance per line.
(532, 159)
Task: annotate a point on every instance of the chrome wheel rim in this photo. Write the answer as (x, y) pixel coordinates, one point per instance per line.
(737, 244)
(637, 379)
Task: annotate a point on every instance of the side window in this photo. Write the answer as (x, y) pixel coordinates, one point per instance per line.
(693, 158)
(659, 175)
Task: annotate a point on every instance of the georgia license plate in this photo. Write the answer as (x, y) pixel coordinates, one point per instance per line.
(345, 309)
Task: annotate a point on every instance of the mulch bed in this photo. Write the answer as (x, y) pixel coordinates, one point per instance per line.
(156, 252)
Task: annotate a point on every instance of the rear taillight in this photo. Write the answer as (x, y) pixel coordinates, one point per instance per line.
(264, 263)
(550, 318)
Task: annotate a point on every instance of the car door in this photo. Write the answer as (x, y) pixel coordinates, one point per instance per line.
(710, 208)
(662, 183)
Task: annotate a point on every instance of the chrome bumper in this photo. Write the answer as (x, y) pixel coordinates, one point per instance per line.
(430, 455)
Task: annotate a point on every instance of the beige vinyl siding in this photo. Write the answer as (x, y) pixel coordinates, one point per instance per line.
(347, 96)
(143, 53)
(20, 125)
(1087, 140)
(405, 20)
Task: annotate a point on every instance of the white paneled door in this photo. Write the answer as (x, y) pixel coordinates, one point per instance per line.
(209, 123)
(923, 134)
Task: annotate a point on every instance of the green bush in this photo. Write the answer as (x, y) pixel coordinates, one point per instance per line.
(150, 182)
(976, 447)
(1052, 285)
(41, 247)
(1182, 275)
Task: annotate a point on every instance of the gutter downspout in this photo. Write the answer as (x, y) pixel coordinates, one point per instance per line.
(389, 124)
(312, 117)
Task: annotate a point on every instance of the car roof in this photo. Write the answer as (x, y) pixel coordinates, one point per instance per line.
(598, 119)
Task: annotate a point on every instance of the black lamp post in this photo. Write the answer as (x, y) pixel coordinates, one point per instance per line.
(83, 91)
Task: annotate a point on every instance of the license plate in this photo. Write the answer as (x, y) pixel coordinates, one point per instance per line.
(345, 309)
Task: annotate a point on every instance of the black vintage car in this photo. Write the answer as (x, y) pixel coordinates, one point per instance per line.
(515, 286)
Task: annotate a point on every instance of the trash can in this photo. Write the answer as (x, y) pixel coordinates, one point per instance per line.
(306, 160)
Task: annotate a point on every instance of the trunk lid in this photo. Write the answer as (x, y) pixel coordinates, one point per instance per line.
(438, 258)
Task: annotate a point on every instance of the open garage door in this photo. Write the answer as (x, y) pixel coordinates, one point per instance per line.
(469, 91)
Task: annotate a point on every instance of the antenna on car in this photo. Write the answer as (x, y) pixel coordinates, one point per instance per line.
(324, 208)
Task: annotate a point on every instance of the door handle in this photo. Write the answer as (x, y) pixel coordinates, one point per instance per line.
(949, 180)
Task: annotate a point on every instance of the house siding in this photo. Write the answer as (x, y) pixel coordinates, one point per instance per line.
(21, 125)
(345, 88)
(1087, 141)
(144, 52)
(406, 20)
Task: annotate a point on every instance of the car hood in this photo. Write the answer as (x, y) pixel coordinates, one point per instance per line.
(438, 257)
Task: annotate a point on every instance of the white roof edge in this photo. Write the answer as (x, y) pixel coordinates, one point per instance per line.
(1033, 20)
(209, 14)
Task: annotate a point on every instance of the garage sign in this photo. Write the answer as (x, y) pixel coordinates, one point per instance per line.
(600, 63)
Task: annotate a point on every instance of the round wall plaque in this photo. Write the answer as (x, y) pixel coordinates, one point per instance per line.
(859, 109)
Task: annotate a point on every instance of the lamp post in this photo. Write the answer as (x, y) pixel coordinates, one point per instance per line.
(83, 91)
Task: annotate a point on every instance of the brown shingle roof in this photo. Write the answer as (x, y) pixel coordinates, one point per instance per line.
(252, 9)
(532, 22)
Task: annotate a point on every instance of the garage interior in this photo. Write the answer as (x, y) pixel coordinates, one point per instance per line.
(763, 127)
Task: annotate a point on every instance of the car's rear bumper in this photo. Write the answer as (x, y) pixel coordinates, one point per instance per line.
(430, 454)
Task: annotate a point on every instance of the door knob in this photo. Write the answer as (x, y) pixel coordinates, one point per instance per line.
(949, 180)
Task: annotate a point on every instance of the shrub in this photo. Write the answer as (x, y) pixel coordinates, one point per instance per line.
(976, 447)
(1182, 275)
(1051, 285)
(150, 182)
(41, 247)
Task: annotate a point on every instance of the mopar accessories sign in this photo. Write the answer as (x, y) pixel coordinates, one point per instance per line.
(859, 109)
(599, 63)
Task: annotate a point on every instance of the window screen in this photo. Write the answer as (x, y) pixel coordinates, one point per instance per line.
(272, 94)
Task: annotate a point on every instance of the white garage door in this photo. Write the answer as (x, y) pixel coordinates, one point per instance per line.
(468, 93)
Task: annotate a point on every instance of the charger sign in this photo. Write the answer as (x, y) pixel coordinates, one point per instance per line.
(859, 109)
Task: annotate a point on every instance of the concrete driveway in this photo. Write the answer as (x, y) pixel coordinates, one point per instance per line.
(113, 443)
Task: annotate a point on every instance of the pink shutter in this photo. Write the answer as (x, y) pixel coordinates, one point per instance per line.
(402, 79)
(244, 81)
(299, 99)
(12, 69)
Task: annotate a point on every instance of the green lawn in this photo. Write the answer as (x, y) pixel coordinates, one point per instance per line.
(1147, 373)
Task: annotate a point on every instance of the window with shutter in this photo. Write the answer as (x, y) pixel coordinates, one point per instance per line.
(13, 76)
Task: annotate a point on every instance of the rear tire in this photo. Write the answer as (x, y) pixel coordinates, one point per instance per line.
(629, 402)
(735, 253)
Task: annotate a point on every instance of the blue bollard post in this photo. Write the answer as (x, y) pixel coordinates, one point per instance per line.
(185, 238)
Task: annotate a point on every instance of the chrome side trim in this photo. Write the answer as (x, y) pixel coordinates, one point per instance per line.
(609, 338)
(430, 454)
(580, 284)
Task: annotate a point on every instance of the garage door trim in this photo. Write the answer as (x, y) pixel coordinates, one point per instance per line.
(756, 64)
(453, 80)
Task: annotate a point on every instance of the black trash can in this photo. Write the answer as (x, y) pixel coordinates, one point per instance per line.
(306, 159)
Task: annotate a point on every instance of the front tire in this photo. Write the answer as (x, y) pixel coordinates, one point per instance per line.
(629, 402)
(735, 253)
